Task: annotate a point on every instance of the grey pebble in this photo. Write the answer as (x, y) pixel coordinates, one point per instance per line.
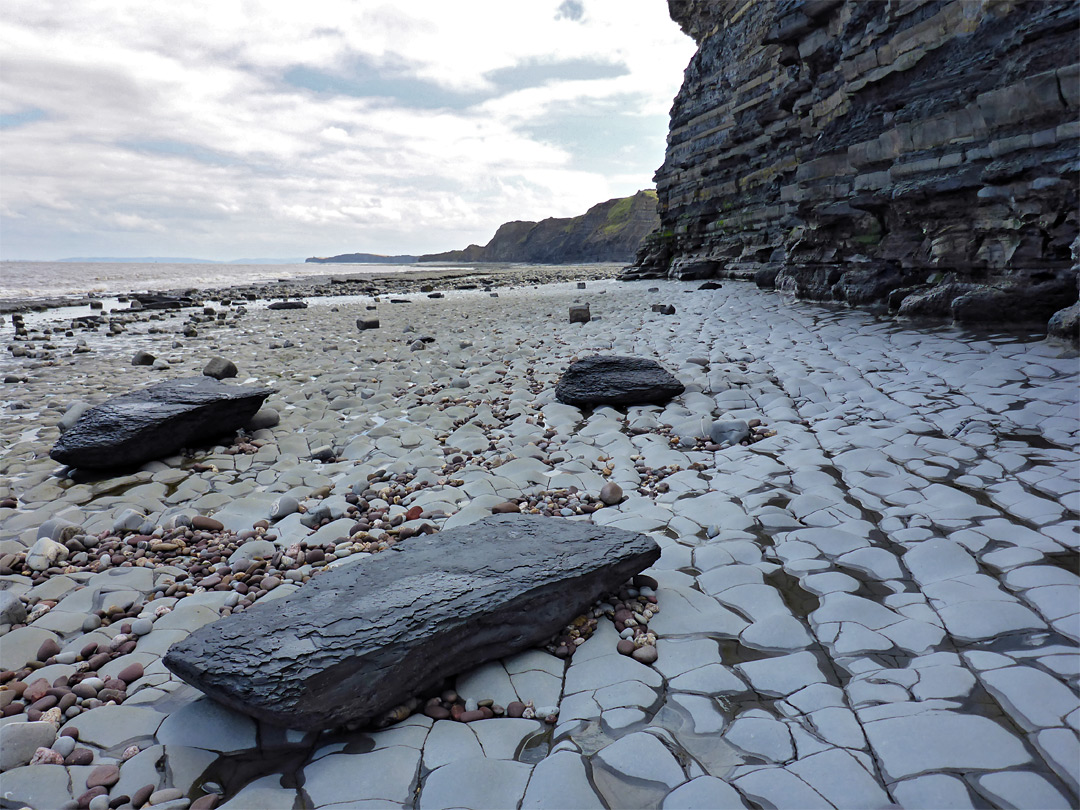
(141, 627)
(64, 745)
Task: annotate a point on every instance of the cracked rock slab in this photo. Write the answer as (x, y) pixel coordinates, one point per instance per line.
(357, 641)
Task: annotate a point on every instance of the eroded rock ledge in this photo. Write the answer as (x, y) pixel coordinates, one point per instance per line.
(919, 156)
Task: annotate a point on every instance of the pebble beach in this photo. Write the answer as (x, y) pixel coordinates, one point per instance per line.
(869, 598)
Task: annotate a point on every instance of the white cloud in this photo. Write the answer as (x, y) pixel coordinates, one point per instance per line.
(226, 129)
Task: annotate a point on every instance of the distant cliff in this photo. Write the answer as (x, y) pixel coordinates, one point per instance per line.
(920, 156)
(362, 258)
(608, 232)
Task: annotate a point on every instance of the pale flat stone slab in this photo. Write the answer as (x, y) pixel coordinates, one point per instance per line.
(682, 655)
(477, 784)
(711, 679)
(832, 543)
(37, 786)
(839, 726)
(764, 737)
(981, 620)
(110, 726)
(22, 645)
(501, 737)
(941, 740)
(937, 790)
(560, 780)
(779, 677)
(780, 788)
(704, 793)
(627, 694)
(642, 756)
(601, 672)
(1061, 749)
(203, 723)
(489, 681)
(841, 779)
(449, 741)
(937, 559)
(714, 509)
(687, 612)
(1023, 790)
(265, 793)
(388, 773)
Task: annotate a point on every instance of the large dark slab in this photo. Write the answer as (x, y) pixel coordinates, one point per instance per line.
(357, 641)
(156, 421)
(615, 380)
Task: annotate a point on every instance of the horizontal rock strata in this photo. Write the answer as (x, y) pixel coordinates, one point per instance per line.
(358, 641)
(921, 156)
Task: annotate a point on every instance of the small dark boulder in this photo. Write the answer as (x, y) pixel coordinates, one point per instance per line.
(142, 358)
(134, 428)
(219, 368)
(367, 323)
(614, 380)
(288, 305)
(360, 640)
(580, 314)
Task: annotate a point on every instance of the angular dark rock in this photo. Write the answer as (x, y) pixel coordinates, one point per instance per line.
(614, 380)
(288, 305)
(580, 314)
(156, 421)
(220, 368)
(360, 640)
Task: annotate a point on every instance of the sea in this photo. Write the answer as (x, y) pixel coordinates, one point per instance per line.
(20, 280)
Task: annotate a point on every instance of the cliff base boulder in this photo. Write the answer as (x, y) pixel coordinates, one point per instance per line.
(362, 639)
(614, 380)
(134, 428)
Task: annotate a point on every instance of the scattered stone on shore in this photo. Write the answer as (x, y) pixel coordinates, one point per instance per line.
(616, 380)
(143, 358)
(288, 305)
(155, 421)
(364, 324)
(580, 314)
(358, 641)
(729, 432)
(219, 368)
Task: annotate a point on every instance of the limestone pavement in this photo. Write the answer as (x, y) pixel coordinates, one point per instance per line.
(875, 606)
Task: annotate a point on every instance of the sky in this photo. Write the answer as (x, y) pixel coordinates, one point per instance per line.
(231, 128)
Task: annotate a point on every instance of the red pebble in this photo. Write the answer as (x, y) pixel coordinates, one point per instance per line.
(131, 673)
(515, 709)
(469, 717)
(437, 712)
(80, 756)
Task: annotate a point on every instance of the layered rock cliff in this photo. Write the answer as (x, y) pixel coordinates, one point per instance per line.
(915, 155)
(608, 232)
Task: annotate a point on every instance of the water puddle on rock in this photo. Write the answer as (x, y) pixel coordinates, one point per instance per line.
(799, 601)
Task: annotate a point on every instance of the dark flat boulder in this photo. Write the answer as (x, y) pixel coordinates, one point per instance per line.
(134, 428)
(613, 380)
(288, 305)
(362, 639)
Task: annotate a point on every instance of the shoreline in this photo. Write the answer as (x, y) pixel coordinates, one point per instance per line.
(345, 283)
(884, 452)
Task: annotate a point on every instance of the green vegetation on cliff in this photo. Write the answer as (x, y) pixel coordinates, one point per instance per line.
(608, 232)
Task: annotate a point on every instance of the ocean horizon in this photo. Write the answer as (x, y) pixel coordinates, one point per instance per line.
(38, 279)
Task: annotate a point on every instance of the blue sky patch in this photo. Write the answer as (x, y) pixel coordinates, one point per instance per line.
(10, 120)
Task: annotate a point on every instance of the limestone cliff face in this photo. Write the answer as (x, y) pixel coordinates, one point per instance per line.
(608, 232)
(916, 155)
